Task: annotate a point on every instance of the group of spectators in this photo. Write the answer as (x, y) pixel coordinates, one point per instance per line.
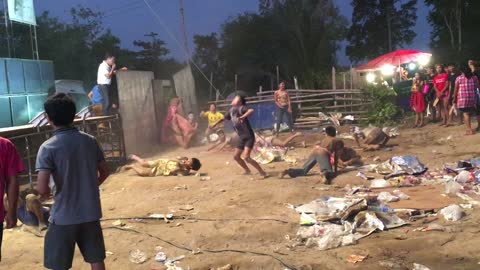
(444, 91)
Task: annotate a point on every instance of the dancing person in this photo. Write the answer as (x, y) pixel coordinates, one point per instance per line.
(77, 164)
(10, 167)
(284, 107)
(465, 96)
(371, 139)
(417, 101)
(245, 139)
(164, 167)
(175, 128)
(441, 86)
(325, 154)
(215, 122)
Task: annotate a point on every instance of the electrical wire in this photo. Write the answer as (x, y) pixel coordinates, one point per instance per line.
(172, 36)
(290, 267)
(199, 219)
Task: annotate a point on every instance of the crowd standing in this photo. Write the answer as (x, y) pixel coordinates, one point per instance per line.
(447, 91)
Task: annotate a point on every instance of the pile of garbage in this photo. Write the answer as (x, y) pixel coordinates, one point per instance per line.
(332, 222)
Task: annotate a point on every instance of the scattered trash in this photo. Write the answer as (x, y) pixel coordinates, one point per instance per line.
(400, 195)
(326, 236)
(377, 159)
(108, 253)
(180, 187)
(391, 265)
(118, 223)
(187, 207)
(161, 216)
(381, 208)
(452, 188)
(161, 257)
(431, 227)
(332, 208)
(466, 205)
(387, 197)
(379, 183)
(452, 212)
(206, 178)
(307, 220)
(137, 256)
(364, 176)
(417, 266)
(174, 259)
(464, 177)
(198, 174)
(356, 258)
(158, 248)
(226, 267)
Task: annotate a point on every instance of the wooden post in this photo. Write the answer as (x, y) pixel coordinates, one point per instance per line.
(210, 87)
(278, 76)
(334, 83)
(344, 81)
(236, 81)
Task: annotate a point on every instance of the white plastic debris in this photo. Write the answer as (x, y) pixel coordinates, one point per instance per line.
(463, 177)
(452, 212)
(400, 195)
(379, 183)
(161, 257)
(452, 188)
(137, 256)
(307, 220)
(387, 197)
(417, 266)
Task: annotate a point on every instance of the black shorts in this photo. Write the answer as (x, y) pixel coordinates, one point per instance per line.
(242, 142)
(470, 110)
(60, 243)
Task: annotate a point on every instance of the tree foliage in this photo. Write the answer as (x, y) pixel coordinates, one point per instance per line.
(454, 29)
(379, 27)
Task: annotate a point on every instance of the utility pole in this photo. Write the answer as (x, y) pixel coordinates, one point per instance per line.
(184, 31)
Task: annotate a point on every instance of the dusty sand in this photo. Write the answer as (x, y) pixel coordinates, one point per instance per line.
(234, 204)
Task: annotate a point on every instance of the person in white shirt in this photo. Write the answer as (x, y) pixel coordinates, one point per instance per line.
(106, 70)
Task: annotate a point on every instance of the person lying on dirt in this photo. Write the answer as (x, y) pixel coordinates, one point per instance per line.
(30, 210)
(371, 139)
(326, 154)
(164, 167)
(349, 157)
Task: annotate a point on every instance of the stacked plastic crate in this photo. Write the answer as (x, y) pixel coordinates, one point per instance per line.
(24, 86)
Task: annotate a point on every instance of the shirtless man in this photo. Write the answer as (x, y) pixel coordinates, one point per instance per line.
(371, 139)
(284, 107)
(164, 167)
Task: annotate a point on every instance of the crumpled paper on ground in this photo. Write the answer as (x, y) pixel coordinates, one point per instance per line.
(331, 208)
(397, 166)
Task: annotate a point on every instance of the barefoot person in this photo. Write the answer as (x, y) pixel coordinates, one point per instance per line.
(175, 128)
(324, 154)
(284, 107)
(441, 86)
(417, 102)
(215, 122)
(10, 167)
(245, 140)
(466, 86)
(371, 139)
(30, 210)
(164, 167)
(76, 162)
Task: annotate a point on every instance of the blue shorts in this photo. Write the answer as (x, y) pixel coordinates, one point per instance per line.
(28, 218)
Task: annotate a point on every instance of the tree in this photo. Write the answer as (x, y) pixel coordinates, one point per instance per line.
(301, 37)
(379, 27)
(207, 57)
(454, 29)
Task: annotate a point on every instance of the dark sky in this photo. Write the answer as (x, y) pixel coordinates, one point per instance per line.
(131, 19)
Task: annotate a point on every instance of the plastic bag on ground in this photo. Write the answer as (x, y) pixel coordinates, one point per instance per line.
(417, 266)
(331, 208)
(379, 183)
(400, 195)
(463, 177)
(452, 188)
(387, 197)
(326, 236)
(452, 212)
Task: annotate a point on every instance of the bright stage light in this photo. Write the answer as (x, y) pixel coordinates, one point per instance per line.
(387, 70)
(423, 60)
(412, 66)
(370, 77)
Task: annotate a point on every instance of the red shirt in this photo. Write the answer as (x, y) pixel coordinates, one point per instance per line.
(10, 165)
(440, 81)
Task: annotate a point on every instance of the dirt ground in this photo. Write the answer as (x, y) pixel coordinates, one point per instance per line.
(235, 217)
